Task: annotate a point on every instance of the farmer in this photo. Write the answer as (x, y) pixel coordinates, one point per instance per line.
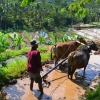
(34, 66)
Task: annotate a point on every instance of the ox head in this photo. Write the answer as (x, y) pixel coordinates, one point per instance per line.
(92, 46)
(81, 40)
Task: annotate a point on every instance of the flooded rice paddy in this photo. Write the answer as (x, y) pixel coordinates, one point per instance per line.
(61, 87)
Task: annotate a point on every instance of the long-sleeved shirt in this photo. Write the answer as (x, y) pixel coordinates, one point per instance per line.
(34, 61)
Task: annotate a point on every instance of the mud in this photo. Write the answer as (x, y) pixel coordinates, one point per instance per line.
(61, 87)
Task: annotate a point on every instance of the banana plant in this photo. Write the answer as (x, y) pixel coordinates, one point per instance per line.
(73, 35)
(41, 39)
(4, 44)
(65, 38)
(20, 41)
(54, 38)
(17, 41)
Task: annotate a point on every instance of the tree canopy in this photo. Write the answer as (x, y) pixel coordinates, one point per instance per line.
(76, 6)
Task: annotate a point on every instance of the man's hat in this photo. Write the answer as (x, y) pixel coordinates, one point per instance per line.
(33, 43)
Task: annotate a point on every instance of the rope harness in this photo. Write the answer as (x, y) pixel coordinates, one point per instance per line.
(67, 50)
(44, 76)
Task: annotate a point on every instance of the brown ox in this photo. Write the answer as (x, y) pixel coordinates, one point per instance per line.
(61, 50)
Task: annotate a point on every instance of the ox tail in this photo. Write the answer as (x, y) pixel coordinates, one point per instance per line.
(52, 50)
(71, 56)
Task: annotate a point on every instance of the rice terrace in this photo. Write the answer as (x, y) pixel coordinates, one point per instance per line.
(69, 45)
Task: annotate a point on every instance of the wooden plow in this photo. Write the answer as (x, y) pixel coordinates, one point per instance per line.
(45, 75)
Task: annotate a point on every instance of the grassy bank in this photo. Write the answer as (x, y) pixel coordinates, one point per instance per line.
(18, 65)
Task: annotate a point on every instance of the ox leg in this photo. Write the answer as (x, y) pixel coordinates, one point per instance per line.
(69, 71)
(84, 71)
(56, 63)
(72, 72)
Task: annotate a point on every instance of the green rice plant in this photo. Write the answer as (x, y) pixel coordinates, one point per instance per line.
(48, 42)
(19, 64)
(41, 40)
(3, 77)
(54, 37)
(28, 35)
(12, 53)
(43, 48)
(4, 44)
(93, 95)
(73, 35)
(65, 38)
(15, 67)
(45, 56)
(3, 61)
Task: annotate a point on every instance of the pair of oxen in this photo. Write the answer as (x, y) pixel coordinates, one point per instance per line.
(77, 57)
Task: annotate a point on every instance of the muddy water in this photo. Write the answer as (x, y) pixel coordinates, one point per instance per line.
(61, 87)
(65, 88)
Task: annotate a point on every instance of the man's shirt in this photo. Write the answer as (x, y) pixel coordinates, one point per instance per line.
(34, 61)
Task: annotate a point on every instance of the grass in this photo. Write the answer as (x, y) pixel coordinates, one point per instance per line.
(93, 95)
(45, 56)
(18, 65)
(12, 53)
(15, 67)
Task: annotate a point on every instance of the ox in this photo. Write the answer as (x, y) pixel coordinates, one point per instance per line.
(61, 50)
(80, 58)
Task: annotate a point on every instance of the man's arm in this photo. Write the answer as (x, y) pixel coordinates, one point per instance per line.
(39, 61)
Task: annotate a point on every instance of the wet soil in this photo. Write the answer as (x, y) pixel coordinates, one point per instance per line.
(61, 87)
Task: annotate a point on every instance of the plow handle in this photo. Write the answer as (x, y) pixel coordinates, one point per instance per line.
(54, 68)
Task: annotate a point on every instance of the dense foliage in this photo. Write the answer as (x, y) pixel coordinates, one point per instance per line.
(48, 15)
(77, 7)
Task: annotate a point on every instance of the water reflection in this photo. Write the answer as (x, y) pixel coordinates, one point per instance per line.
(13, 93)
(41, 97)
(12, 60)
(41, 33)
(90, 33)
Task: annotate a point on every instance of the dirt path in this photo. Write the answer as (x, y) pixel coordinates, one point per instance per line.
(61, 87)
